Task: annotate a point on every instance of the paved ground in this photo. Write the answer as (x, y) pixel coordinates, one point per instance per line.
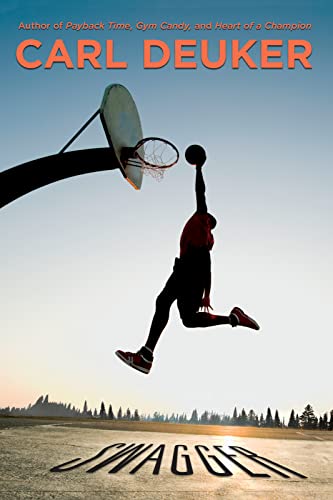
(29, 452)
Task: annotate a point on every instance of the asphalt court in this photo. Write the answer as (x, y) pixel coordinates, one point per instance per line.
(186, 466)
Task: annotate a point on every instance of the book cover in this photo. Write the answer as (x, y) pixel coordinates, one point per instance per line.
(88, 263)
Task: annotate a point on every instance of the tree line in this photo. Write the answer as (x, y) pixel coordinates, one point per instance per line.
(306, 420)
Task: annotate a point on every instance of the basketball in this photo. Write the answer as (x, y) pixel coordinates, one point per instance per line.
(195, 155)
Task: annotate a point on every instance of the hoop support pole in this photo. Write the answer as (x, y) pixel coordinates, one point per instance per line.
(88, 122)
(22, 179)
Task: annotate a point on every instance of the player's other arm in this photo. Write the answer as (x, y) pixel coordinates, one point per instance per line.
(208, 281)
(200, 190)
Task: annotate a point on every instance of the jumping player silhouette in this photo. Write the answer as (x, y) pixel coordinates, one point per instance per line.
(189, 283)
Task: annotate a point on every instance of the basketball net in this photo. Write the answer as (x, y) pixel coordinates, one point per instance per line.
(156, 155)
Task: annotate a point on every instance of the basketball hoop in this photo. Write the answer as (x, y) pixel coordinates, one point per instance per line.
(153, 154)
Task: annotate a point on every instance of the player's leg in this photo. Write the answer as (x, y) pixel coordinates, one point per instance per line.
(189, 303)
(237, 317)
(199, 319)
(164, 302)
(143, 359)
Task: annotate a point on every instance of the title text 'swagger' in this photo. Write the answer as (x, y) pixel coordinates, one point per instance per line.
(157, 54)
(216, 460)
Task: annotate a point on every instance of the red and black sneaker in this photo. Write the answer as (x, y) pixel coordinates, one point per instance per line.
(135, 360)
(239, 318)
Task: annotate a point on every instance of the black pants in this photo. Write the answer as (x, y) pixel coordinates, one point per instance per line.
(186, 285)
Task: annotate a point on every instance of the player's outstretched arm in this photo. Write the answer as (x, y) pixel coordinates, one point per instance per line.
(200, 190)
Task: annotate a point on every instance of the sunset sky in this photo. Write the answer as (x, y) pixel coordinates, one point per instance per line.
(84, 259)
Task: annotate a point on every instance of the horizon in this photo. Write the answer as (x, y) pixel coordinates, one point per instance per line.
(284, 418)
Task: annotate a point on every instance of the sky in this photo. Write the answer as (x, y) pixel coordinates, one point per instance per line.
(84, 259)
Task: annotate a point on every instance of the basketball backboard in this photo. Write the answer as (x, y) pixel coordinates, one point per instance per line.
(122, 126)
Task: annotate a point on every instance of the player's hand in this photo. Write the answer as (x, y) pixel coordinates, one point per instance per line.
(205, 304)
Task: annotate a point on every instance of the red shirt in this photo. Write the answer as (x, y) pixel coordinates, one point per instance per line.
(196, 234)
